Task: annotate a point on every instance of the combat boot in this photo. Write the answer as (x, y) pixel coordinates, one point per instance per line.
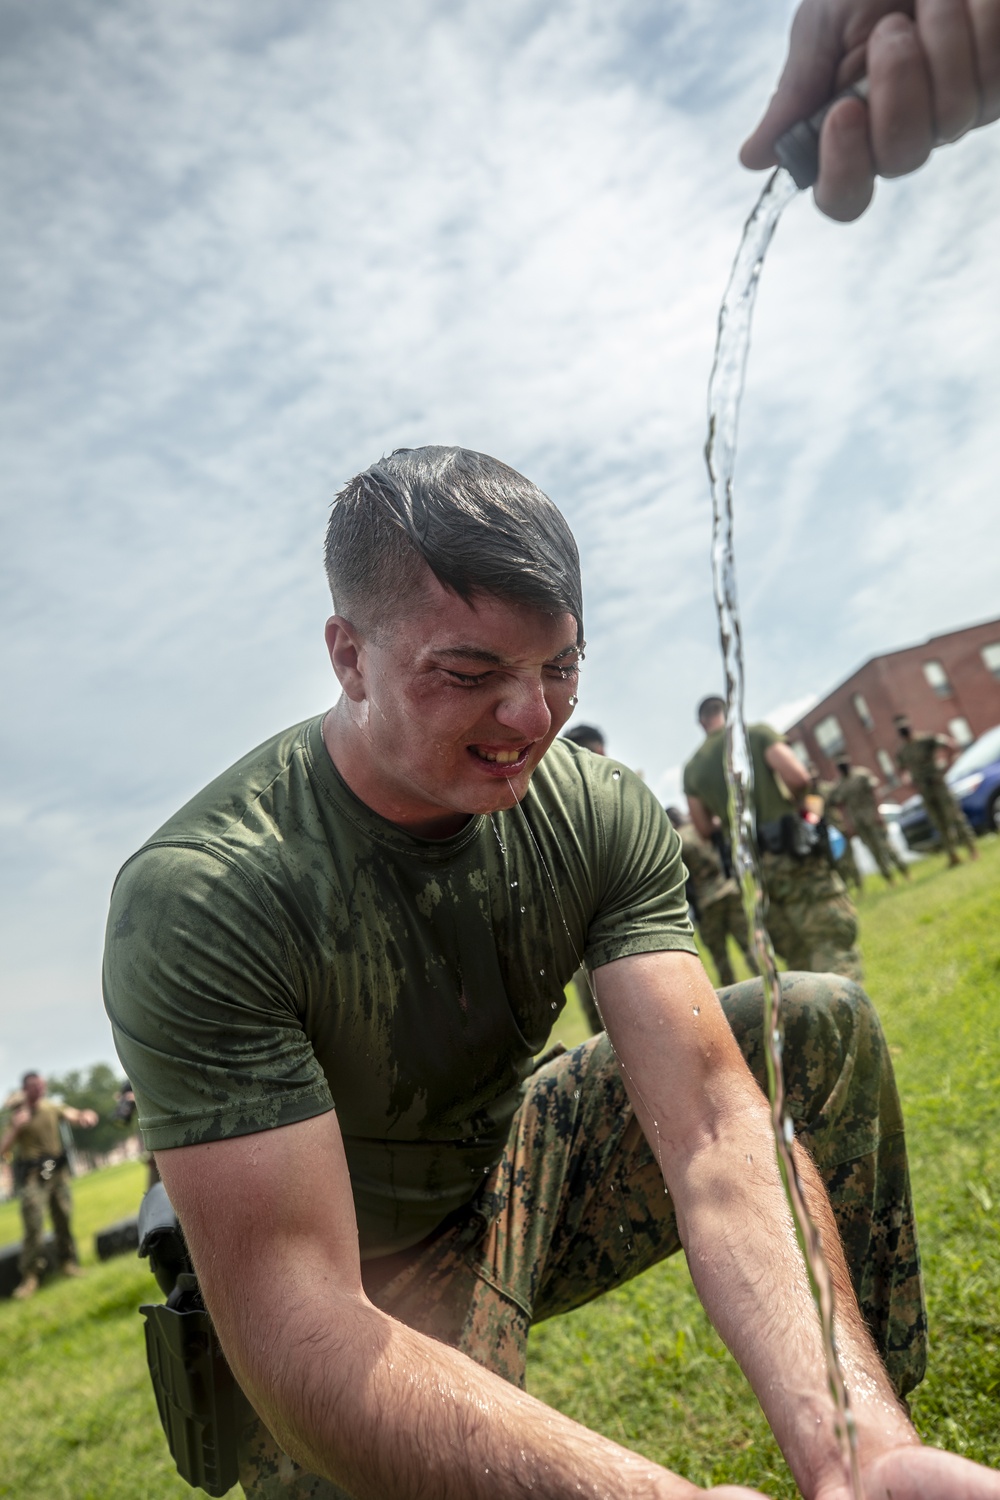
(70, 1268)
(28, 1288)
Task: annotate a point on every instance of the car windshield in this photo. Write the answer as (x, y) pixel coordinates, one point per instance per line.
(978, 755)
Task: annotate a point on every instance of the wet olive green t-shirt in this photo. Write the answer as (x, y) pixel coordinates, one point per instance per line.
(705, 775)
(277, 949)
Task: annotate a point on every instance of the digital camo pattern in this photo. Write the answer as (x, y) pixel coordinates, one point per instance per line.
(701, 860)
(855, 795)
(918, 755)
(577, 1204)
(949, 820)
(717, 923)
(811, 919)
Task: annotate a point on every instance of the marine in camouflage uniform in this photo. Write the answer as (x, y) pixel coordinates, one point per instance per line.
(854, 794)
(716, 901)
(327, 939)
(918, 755)
(844, 863)
(810, 916)
(40, 1159)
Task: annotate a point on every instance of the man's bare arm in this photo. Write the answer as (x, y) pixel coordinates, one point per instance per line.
(348, 1391)
(933, 69)
(709, 1124)
(702, 819)
(786, 764)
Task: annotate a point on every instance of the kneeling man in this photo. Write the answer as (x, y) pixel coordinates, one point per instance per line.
(330, 976)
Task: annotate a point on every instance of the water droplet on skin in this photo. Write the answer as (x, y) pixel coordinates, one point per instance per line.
(696, 1010)
(749, 1159)
(573, 701)
(616, 776)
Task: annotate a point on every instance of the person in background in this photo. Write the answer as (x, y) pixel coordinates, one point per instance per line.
(714, 896)
(810, 916)
(853, 799)
(588, 737)
(923, 760)
(43, 1170)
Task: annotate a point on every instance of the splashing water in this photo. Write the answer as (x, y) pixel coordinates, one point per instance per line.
(724, 393)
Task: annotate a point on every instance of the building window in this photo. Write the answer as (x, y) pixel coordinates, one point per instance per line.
(830, 736)
(937, 678)
(888, 769)
(863, 712)
(991, 658)
(960, 731)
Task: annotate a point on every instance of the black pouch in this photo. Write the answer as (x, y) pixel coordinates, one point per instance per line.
(196, 1394)
(792, 835)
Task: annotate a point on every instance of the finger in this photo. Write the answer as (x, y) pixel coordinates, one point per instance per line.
(846, 171)
(944, 29)
(984, 16)
(807, 82)
(900, 116)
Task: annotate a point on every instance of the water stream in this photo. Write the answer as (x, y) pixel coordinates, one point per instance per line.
(724, 394)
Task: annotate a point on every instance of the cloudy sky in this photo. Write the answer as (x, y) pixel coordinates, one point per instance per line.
(248, 247)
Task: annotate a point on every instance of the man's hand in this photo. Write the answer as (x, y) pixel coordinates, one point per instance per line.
(933, 69)
(921, 1474)
(86, 1119)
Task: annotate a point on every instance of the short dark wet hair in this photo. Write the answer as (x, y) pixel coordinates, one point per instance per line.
(479, 525)
(586, 735)
(709, 707)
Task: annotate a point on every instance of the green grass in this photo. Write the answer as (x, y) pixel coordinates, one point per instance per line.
(642, 1365)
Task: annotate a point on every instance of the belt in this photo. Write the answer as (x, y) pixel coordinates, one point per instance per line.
(45, 1166)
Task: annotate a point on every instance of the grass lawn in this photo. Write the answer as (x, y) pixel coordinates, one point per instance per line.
(643, 1364)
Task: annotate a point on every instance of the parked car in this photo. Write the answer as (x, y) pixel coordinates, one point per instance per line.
(974, 779)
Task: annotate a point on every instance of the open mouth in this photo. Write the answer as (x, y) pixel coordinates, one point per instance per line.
(502, 762)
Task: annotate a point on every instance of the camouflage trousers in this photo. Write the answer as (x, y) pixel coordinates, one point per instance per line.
(847, 866)
(874, 836)
(810, 916)
(36, 1197)
(577, 1205)
(717, 922)
(949, 820)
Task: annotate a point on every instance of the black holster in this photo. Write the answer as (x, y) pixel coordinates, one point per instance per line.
(196, 1393)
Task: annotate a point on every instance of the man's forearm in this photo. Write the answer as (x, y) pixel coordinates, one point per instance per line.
(388, 1413)
(748, 1269)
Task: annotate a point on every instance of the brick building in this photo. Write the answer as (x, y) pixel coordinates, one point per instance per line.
(949, 685)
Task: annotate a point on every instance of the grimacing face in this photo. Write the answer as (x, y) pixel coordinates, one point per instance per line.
(457, 703)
